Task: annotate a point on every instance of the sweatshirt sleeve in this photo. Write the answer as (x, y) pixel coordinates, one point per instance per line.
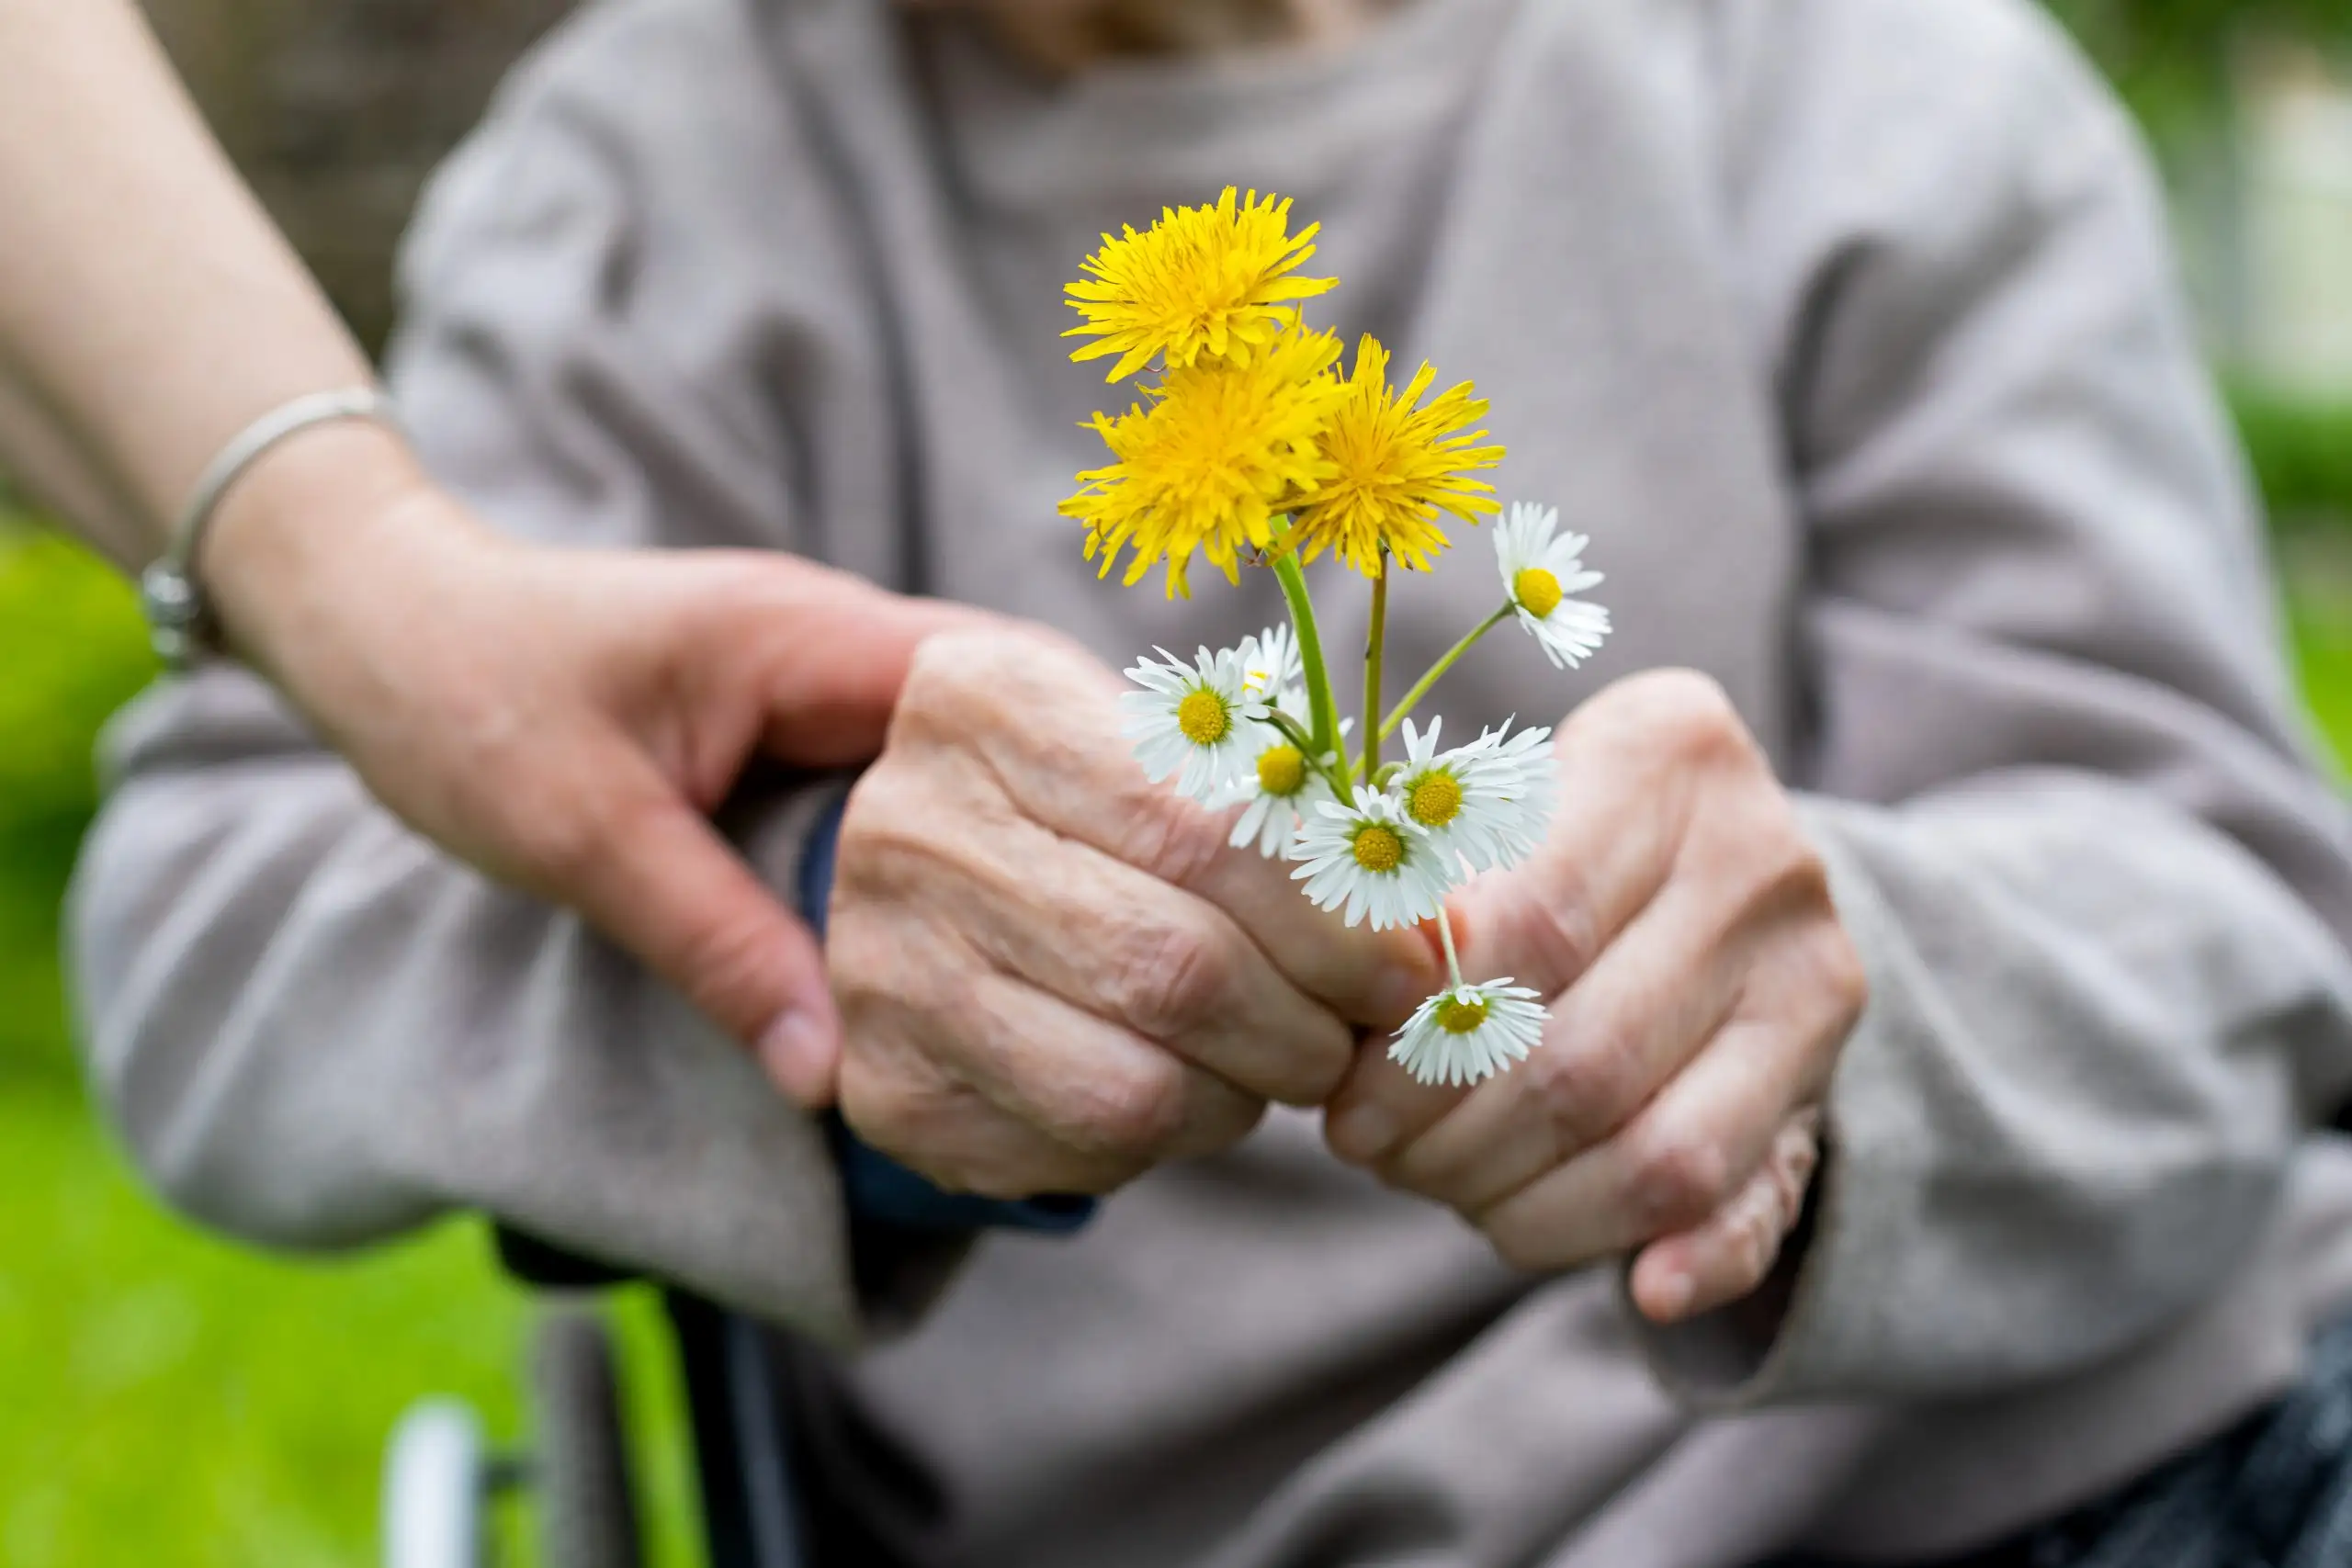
(2100, 886)
(312, 1028)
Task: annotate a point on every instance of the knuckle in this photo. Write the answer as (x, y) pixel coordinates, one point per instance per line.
(559, 840)
(881, 1118)
(1520, 1244)
(1170, 978)
(1224, 1121)
(1678, 1179)
(879, 826)
(898, 843)
(942, 1131)
(1689, 716)
(1844, 981)
(860, 956)
(993, 682)
(1791, 1173)
(1309, 1068)
(888, 1109)
(913, 994)
(1586, 1089)
(1754, 1242)
(943, 667)
(1135, 1114)
(1001, 1183)
(951, 690)
(1777, 877)
(1563, 925)
(1803, 880)
(1798, 878)
(1170, 837)
(1010, 1181)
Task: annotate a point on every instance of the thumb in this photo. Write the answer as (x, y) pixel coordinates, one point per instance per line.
(659, 881)
(841, 662)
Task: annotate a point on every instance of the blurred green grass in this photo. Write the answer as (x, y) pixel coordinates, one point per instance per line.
(165, 1397)
(2316, 567)
(169, 1398)
(2301, 451)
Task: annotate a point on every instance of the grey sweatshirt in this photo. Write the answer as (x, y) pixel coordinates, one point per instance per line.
(1844, 327)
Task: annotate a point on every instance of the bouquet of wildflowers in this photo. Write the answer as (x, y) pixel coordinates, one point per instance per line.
(1253, 447)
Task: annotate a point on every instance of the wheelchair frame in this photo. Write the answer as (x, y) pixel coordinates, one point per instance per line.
(440, 1475)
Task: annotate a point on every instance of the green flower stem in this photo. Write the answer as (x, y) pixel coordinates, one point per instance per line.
(1294, 732)
(1372, 643)
(1406, 704)
(1452, 960)
(1320, 707)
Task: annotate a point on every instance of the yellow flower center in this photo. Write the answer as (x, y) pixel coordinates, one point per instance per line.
(1458, 1017)
(1537, 591)
(1282, 770)
(1436, 800)
(1201, 716)
(1378, 849)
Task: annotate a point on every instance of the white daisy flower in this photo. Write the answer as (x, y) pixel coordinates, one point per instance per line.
(1280, 788)
(1540, 573)
(1485, 803)
(1470, 1032)
(1531, 795)
(1270, 663)
(1193, 721)
(1371, 857)
(1281, 794)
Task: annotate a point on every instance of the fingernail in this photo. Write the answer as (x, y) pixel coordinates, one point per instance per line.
(1362, 1134)
(798, 1053)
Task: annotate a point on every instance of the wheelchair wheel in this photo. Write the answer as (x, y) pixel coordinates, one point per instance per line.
(587, 1501)
(436, 1490)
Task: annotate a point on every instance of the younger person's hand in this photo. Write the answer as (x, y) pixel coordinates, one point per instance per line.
(565, 719)
(1701, 987)
(1053, 973)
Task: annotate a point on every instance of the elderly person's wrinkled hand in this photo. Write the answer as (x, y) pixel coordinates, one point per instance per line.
(1701, 987)
(1054, 974)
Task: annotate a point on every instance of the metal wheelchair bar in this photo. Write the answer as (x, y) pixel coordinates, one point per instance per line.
(734, 1405)
(741, 1446)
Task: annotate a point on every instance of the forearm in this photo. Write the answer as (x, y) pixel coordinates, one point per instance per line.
(40, 461)
(148, 308)
(149, 311)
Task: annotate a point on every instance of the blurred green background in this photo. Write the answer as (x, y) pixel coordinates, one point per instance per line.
(167, 1398)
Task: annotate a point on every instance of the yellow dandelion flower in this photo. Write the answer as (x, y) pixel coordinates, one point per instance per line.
(1203, 282)
(1205, 467)
(1395, 467)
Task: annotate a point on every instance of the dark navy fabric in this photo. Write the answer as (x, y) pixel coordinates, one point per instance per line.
(818, 857)
(2274, 1491)
(877, 1189)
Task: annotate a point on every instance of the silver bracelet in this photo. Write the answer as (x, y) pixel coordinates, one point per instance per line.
(179, 616)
